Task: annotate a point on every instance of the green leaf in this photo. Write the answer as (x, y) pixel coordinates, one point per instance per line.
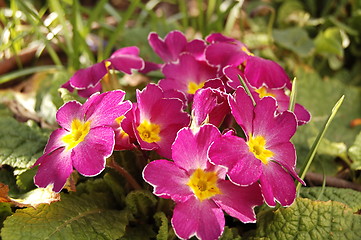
(20, 144)
(230, 234)
(162, 222)
(141, 203)
(307, 219)
(74, 217)
(354, 153)
(294, 39)
(5, 211)
(329, 42)
(344, 195)
(25, 180)
(318, 96)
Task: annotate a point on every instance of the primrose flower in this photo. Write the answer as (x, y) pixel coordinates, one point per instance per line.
(156, 120)
(199, 188)
(187, 75)
(224, 51)
(174, 44)
(83, 142)
(267, 155)
(283, 100)
(87, 80)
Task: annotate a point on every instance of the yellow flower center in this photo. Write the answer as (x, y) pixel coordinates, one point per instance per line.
(193, 87)
(262, 92)
(204, 184)
(257, 145)
(79, 130)
(149, 132)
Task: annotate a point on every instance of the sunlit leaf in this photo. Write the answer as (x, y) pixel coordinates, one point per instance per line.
(355, 153)
(307, 219)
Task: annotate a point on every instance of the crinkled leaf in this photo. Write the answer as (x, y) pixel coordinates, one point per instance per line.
(74, 217)
(140, 231)
(355, 153)
(230, 234)
(141, 203)
(162, 222)
(307, 219)
(20, 144)
(347, 196)
(294, 39)
(116, 187)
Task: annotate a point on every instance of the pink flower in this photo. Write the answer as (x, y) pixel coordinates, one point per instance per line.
(174, 44)
(199, 188)
(87, 80)
(156, 119)
(302, 115)
(84, 140)
(224, 51)
(187, 75)
(267, 155)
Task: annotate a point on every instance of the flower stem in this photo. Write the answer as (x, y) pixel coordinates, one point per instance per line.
(112, 164)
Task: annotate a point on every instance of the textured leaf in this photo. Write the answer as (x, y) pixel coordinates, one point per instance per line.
(295, 39)
(75, 217)
(20, 144)
(307, 219)
(141, 203)
(355, 153)
(162, 222)
(347, 196)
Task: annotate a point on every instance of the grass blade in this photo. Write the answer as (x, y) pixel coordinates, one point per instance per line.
(316, 143)
(13, 75)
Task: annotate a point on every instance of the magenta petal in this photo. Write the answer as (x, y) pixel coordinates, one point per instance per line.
(87, 92)
(274, 129)
(233, 153)
(239, 202)
(242, 109)
(67, 113)
(55, 141)
(88, 77)
(169, 48)
(89, 156)
(223, 54)
(196, 47)
(125, 63)
(103, 109)
(303, 116)
(54, 168)
(277, 184)
(285, 155)
(168, 180)
(189, 150)
(260, 71)
(203, 219)
(147, 98)
(132, 50)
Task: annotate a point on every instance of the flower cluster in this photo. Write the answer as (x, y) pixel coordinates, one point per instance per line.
(187, 118)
